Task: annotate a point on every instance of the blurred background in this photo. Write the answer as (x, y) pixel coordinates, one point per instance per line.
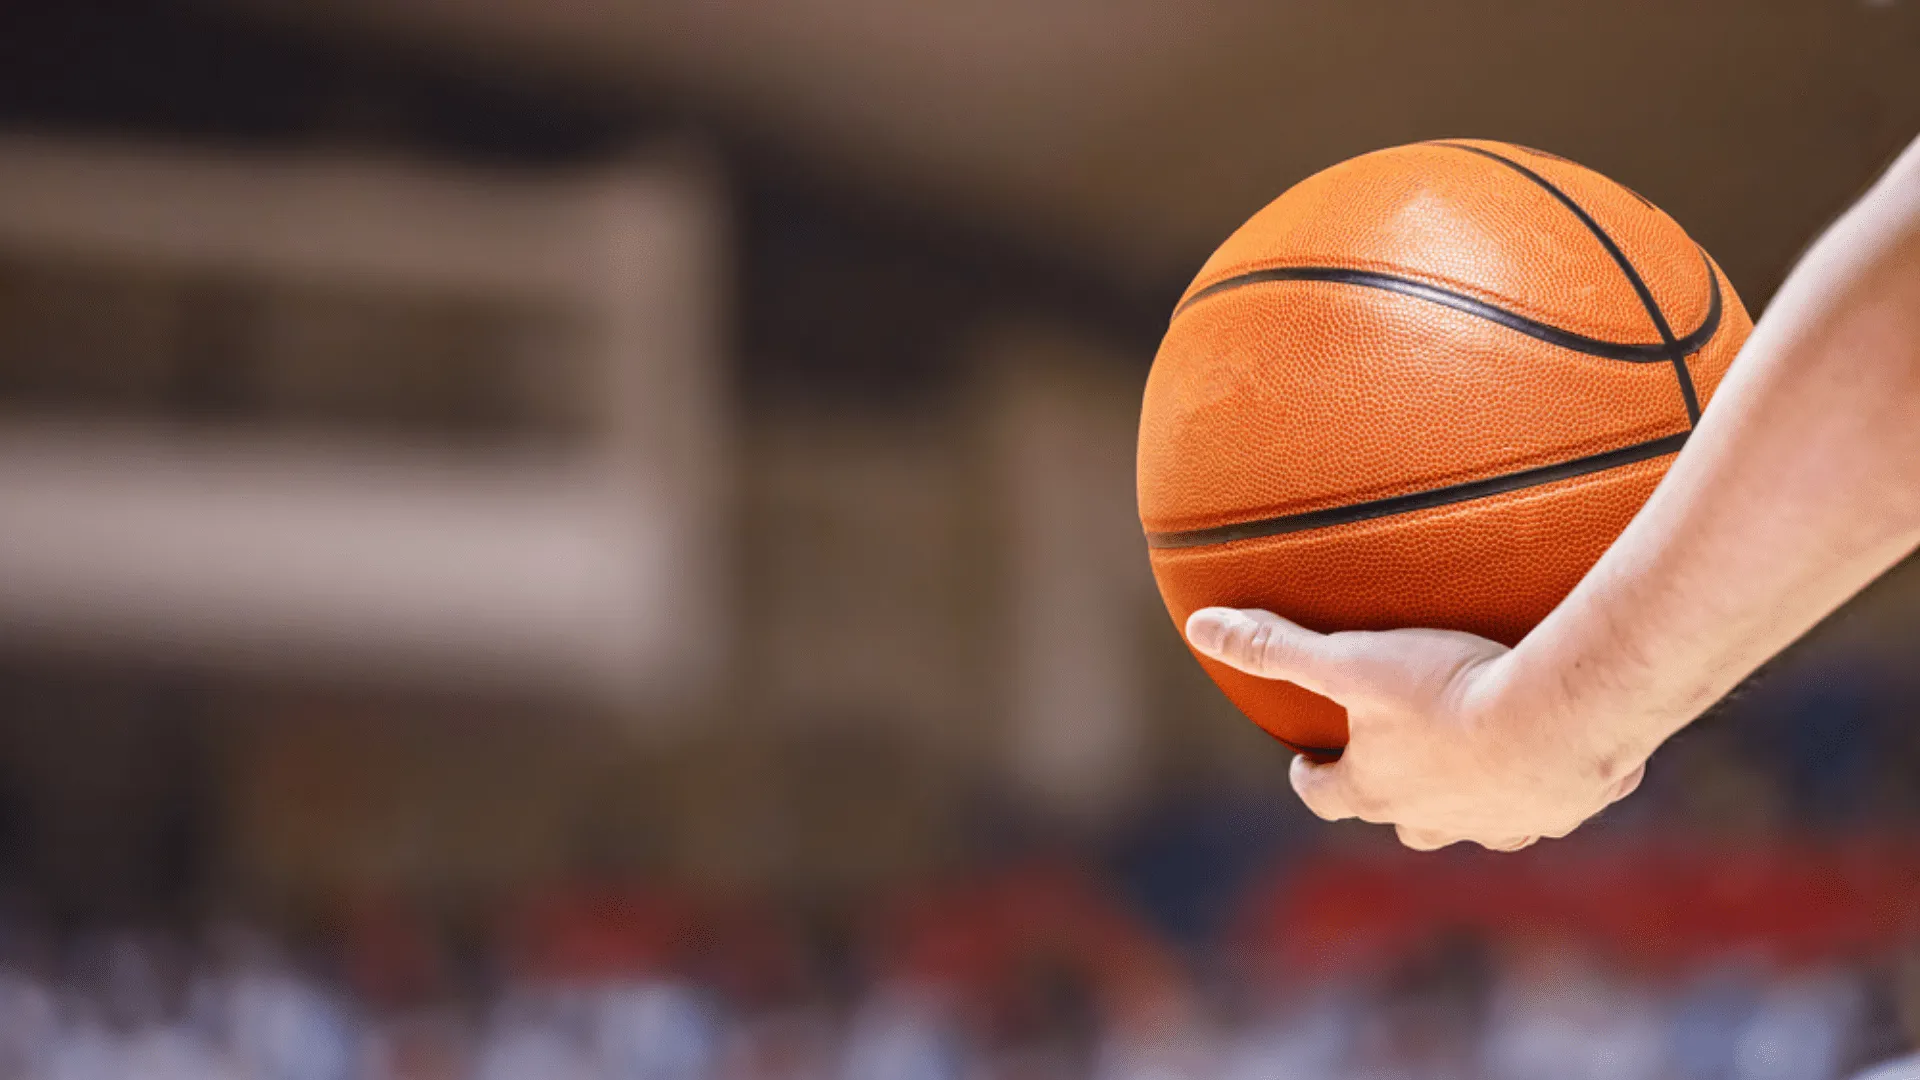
(551, 539)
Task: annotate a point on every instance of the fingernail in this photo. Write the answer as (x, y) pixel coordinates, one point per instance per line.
(1207, 629)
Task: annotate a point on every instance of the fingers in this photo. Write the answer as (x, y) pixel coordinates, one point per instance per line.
(1323, 788)
(1264, 644)
(1627, 785)
(1434, 840)
(1423, 839)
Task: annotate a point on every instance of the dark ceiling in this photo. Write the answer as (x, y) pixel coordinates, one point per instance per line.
(1138, 132)
(903, 169)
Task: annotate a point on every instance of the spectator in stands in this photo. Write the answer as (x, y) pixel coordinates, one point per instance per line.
(1558, 1015)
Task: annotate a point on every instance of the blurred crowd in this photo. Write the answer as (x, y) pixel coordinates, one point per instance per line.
(1602, 962)
(310, 286)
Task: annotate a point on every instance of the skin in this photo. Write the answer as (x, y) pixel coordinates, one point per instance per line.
(1800, 486)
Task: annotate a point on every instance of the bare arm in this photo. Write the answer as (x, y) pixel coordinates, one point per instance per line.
(1799, 487)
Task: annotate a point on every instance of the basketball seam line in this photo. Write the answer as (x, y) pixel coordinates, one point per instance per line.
(1419, 500)
(1512, 320)
(1674, 353)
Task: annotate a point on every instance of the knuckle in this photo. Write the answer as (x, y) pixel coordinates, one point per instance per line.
(1629, 783)
(1349, 646)
(1342, 662)
(1258, 649)
(1422, 839)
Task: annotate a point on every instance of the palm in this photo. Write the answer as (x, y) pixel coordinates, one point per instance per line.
(1436, 747)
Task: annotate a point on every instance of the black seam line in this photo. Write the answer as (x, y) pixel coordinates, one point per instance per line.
(1512, 320)
(1419, 500)
(1675, 353)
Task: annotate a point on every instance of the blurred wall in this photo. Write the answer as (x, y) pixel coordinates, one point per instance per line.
(950, 241)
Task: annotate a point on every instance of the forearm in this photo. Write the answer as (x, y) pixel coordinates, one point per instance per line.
(1800, 486)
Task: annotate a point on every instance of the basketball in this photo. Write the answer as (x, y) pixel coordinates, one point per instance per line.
(1425, 387)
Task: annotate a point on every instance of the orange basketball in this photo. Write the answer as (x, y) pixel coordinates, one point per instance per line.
(1426, 387)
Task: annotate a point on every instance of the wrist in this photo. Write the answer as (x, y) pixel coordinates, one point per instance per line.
(1605, 737)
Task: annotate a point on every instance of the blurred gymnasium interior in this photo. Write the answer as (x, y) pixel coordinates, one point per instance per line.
(555, 539)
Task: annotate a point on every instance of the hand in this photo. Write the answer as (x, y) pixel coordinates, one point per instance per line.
(1443, 744)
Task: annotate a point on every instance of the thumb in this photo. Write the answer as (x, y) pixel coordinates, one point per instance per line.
(1264, 644)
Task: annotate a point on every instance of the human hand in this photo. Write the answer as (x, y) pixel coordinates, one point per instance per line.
(1444, 743)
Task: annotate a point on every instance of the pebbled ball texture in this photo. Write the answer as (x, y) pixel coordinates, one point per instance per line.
(1273, 398)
